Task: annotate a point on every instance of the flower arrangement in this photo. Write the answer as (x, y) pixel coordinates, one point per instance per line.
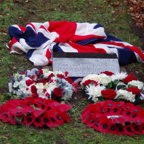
(34, 111)
(42, 83)
(110, 86)
(118, 117)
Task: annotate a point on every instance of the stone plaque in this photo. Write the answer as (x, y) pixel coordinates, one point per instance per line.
(82, 64)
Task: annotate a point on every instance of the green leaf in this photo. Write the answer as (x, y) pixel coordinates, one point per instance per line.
(109, 85)
(120, 86)
(131, 86)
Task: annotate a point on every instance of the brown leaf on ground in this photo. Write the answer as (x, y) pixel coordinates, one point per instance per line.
(85, 135)
(137, 138)
(4, 127)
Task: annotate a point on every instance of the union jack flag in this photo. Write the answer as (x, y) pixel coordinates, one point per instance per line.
(40, 40)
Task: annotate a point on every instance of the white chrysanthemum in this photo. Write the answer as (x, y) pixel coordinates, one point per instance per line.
(94, 91)
(125, 95)
(104, 79)
(46, 73)
(90, 77)
(119, 76)
(137, 83)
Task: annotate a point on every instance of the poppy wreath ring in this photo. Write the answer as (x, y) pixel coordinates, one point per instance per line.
(34, 111)
(118, 118)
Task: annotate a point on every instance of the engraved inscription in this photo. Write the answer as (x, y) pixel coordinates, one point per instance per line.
(78, 67)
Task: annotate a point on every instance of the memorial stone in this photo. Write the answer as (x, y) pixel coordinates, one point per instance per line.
(82, 64)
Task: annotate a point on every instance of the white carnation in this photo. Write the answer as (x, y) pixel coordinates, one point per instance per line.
(90, 77)
(104, 79)
(119, 76)
(125, 95)
(137, 83)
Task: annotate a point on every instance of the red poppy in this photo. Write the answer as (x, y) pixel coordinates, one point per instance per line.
(113, 128)
(30, 100)
(28, 120)
(11, 103)
(29, 82)
(137, 121)
(119, 103)
(127, 116)
(11, 119)
(37, 113)
(17, 102)
(128, 129)
(58, 116)
(128, 106)
(137, 129)
(49, 101)
(4, 115)
(53, 121)
(87, 82)
(17, 111)
(64, 107)
(96, 125)
(58, 92)
(134, 90)
(29, 110)
(108, 73)
(33, 89)
(40, 101)
(119, 120)
(103, 126)
(129, 78)
(120, 130)
(109, 93)
(109, 104)
(38, 122)
(136, 109)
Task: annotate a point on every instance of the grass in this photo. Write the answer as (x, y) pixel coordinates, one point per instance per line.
(116, 22)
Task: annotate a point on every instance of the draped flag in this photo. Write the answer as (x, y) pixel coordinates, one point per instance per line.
(39, 40)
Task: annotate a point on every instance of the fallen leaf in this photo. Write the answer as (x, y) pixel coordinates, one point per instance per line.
(4, 127)
(137, 138)
(5, 137)
(85, 135)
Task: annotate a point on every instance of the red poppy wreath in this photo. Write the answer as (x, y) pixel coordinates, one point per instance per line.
(118, 118)
(34, 111)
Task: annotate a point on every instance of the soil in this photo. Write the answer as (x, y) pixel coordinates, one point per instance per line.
(138, 32)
